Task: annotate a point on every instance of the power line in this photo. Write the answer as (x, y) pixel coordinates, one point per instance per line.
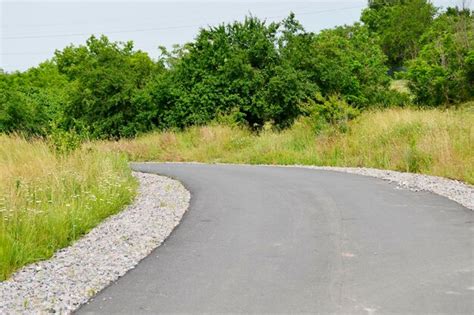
(321, 11)
(27, 53)
(162, 28)
(106, 32)
(5, 26)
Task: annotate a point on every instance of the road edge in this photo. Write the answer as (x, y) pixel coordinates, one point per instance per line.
(455, 190)
(76, 273)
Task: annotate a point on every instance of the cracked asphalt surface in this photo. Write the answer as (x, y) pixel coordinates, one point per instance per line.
(291, 240)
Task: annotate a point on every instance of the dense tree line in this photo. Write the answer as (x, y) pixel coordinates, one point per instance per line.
(251, 72)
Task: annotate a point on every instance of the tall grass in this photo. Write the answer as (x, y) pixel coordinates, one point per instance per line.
(47, 201)
(430, 141)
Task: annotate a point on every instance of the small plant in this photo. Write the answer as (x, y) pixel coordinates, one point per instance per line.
(62, 141)
(415, 160)
(233, 118)
(332, 110)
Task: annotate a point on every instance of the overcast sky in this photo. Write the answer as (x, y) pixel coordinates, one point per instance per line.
(31, 31)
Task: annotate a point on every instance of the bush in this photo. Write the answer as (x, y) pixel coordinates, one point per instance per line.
(332, 110)
(443, 72)
(233, 67)
(392, 98)
(107, 82)
(399, 24)
(347, 61)
(64, 142)
(29, 101)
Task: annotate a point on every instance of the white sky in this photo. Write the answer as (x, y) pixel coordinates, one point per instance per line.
(31, 31)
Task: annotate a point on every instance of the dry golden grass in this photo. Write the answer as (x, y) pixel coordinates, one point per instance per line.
(437, 142)
(47, 200)
(430, 141)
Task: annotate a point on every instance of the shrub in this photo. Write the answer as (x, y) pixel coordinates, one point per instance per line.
(29, 101)
(107, 79)
(64, 142)
(442, 73)
(332, 110)
(399, 24)
(347, 61)
(234, 67)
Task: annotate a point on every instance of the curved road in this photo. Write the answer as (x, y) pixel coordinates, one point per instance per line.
(292, 240)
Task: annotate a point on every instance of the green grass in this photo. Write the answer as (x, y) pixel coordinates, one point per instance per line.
(47, 201)
(430, 141)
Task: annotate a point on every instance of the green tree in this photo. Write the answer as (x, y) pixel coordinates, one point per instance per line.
(235, 67)
(443, 72)
(399, 24)
(31, 101)
(107, 82)
(346, 61)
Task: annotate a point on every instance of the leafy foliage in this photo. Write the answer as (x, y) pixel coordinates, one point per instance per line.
(29, 101)
(107, 79)
(249, 73)
(333, 110)
(443, 72)
(235, 67)
(400, 24)
(347, 61)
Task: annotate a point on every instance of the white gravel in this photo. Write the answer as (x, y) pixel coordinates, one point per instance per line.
(457, 191)
(74, 274)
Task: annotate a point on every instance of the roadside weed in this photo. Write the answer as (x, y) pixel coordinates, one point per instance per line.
(48, 200)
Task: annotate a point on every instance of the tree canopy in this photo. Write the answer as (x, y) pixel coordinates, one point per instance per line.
(443, 71)
(251, 71)
(399, 24)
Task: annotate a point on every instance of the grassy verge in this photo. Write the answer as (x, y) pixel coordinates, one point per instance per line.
(47, 201)
(437, 142)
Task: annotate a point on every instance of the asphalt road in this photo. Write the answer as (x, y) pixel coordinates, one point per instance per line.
(291, 240)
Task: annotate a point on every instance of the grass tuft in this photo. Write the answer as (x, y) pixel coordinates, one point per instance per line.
(48, 200)
(429, 141)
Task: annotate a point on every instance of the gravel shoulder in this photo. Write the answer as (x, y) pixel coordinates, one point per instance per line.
(76, 273)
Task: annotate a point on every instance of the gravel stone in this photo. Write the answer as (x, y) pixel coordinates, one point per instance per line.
(76, 273)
